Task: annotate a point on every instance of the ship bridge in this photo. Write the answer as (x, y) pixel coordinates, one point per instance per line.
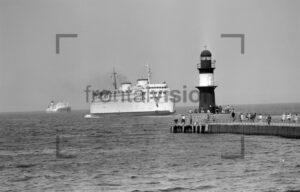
(157, 90)
(157, 86)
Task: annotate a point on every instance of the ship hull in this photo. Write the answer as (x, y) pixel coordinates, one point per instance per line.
(133, 108)
(66, 109)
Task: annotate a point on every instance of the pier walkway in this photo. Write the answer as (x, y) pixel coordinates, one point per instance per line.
(223, 124)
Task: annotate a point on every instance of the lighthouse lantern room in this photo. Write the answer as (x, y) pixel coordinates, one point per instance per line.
(206, 85)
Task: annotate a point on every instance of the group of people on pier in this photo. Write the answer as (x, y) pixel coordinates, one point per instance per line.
(187, 119)
(251, 117)
(244, 117)
(289, 117)
(182, 121)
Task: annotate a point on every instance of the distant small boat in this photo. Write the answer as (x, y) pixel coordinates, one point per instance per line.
(91, 116)
(58, 107)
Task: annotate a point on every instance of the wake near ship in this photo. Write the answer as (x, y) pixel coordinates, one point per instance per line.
(143, 98)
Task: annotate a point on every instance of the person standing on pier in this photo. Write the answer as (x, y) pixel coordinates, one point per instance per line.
(175, 121)
(260, 118)
(269, 118)
(242, 117)
(233, 115)
(183, 119)
(208, 118)
(296, 118)
(283, 117)
(289, 117)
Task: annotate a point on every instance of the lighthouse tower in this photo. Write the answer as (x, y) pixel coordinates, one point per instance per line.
(206, 85)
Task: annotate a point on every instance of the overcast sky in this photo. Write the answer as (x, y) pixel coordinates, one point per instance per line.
(166, 34)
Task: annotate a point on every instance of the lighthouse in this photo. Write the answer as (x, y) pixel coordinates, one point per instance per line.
(206, 85)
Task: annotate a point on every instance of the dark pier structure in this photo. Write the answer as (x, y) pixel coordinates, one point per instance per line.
(281, 130)
(189, 128)
(207, 85)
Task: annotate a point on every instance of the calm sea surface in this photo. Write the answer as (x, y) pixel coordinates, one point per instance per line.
(126, 153)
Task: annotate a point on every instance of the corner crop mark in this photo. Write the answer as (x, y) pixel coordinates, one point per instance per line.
(58, 36)
(242, 36)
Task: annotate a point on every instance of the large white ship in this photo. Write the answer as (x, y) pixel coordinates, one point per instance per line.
(58, 107)
(143, 98)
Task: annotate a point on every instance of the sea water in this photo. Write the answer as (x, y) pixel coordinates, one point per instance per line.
(137, 153)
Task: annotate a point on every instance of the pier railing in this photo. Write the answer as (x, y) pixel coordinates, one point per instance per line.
(223, 123)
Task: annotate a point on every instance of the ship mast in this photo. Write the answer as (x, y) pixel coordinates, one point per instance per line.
(114, 76)
(149, 73)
